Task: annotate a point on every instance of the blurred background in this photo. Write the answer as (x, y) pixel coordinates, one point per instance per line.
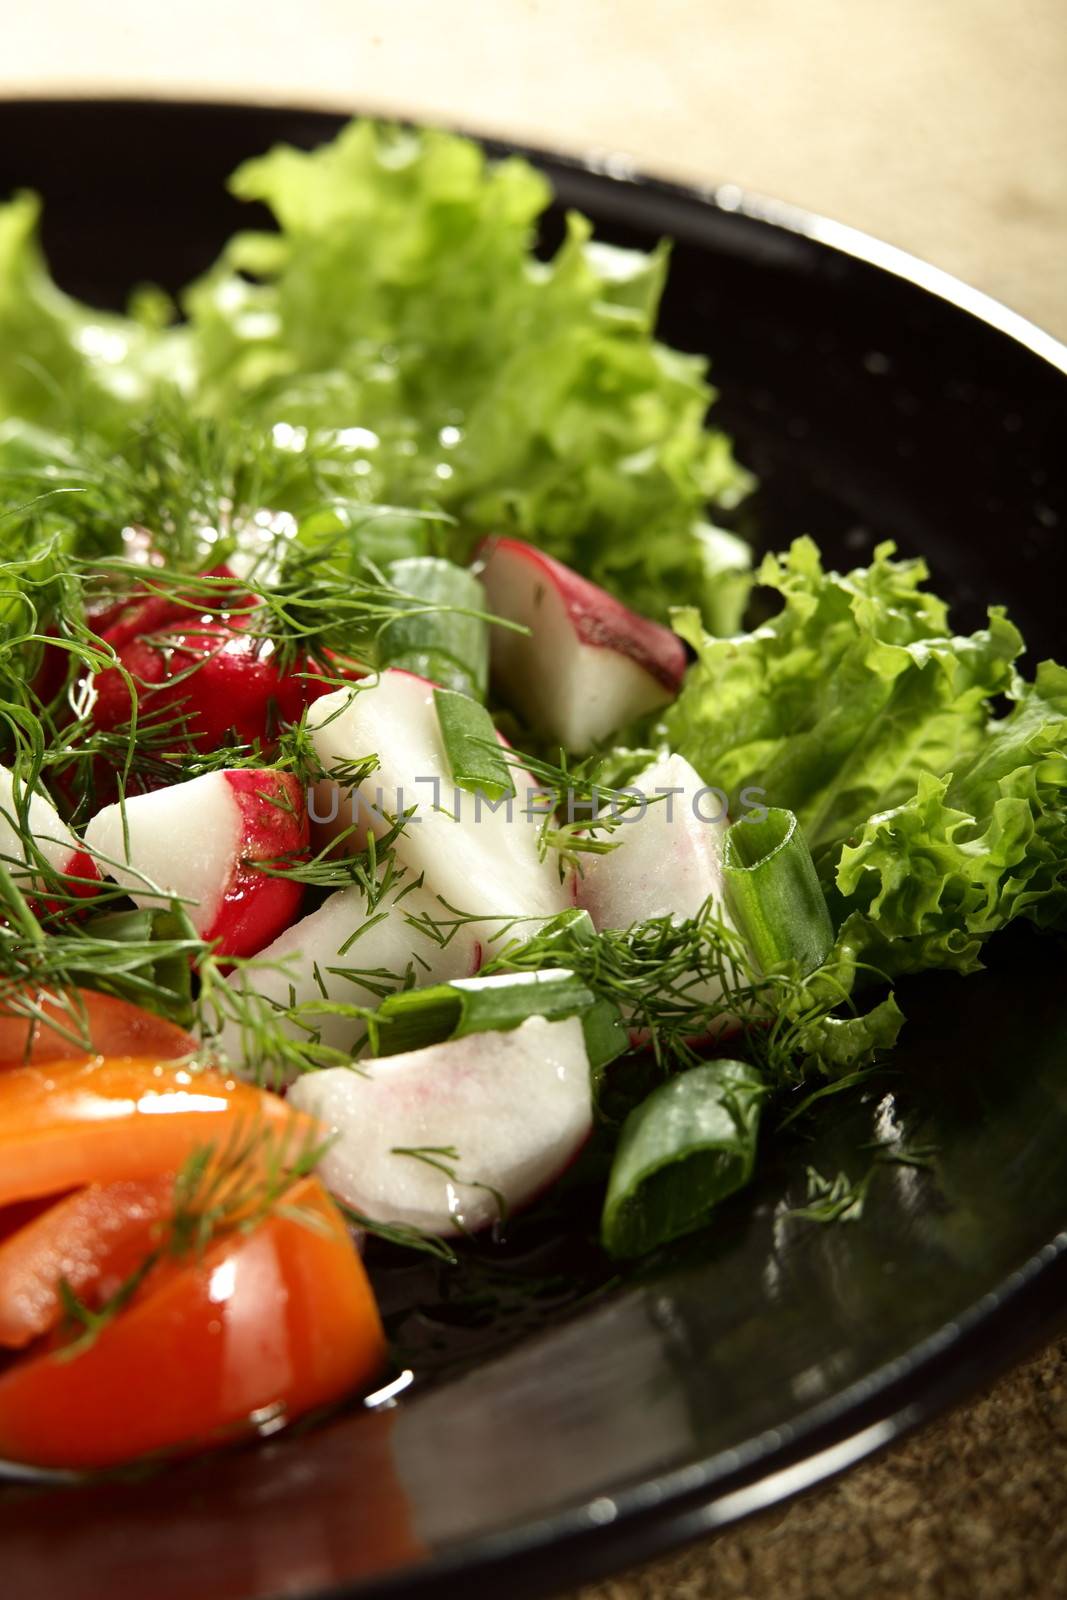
(939, 126)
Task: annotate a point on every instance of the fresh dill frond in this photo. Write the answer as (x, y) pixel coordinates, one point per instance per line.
(676, 981)
(399, 1233)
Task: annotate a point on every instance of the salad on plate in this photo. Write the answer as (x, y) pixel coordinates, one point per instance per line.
(420, 820)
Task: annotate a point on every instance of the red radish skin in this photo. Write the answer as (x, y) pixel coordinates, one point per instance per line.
(190, 660)
(200, 841)
(257, 907)
(586, 665)
(54, 842)
(219, 679)
(599, 619)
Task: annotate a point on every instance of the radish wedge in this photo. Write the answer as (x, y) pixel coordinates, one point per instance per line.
(51, 836)
(480, 857)
(320, 959)
(445, 1138)
(587, 665)
(200, 841)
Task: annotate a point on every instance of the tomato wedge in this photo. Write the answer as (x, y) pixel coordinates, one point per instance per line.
(64, 1124)
(115, 1028)
(94, 1239)
(276, 1321)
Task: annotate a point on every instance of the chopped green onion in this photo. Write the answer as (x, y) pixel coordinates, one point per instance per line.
(681, 1151)
(557, 938)
(475, 758)
(414, 1018)
(445, 637)
(774, 895)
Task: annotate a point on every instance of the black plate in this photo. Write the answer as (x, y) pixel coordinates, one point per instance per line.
(874, 397)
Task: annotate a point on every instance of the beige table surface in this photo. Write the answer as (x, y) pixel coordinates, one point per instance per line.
(940, 125)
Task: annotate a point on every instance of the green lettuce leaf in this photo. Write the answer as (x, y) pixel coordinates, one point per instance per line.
(973, 849)
(401, 306)
(836, 705)
(64, 366)
(396, 342)
(933, 822)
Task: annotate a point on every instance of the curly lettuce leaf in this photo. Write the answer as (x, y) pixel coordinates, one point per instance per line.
(402, 302)
(65, 366)
(399, 333)
(933, 822)
(837, 704)
(974, 849)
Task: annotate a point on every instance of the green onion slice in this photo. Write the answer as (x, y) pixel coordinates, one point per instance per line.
(415, 1018)
(774, 895)
(445, 636)
(681, 1151)
(475, 758)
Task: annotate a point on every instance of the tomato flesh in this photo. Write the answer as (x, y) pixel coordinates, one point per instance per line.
(94, 1239)
(114, 1028)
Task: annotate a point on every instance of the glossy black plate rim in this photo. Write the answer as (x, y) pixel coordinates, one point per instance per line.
(665, 1513)
(643, 1521)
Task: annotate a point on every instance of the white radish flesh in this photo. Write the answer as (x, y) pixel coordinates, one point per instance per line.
(307, 964)
(49, 833)
(514, 1107)
(483, 861)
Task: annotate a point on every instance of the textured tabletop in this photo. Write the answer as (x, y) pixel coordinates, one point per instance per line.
(940, 125)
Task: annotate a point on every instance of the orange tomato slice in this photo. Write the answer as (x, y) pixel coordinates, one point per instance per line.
(277, 1321)
(64, 1124)
(114, 1027)
(94, 1238)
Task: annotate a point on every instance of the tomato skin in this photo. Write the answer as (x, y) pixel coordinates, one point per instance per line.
(281, 1317)
(68, 1123)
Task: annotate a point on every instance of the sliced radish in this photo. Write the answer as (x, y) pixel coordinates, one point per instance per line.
(588, 665)
(509, 1110)
(197, 667)
(668, 857)
(483, 861)
(199, 841)
(342, 937)
(51, 836)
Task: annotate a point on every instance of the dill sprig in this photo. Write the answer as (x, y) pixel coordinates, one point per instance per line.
(675, 980)
(142, 956)
(401, 1234)
(592, 809)
(444, 1158)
